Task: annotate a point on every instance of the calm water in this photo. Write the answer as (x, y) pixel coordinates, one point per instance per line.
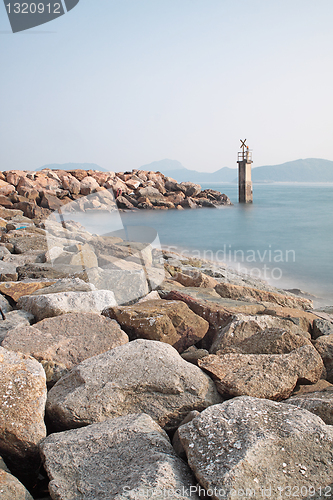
(285, 237)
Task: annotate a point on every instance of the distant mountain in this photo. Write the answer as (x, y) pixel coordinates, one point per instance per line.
(72, 166)
(308, 170)
(173, 168)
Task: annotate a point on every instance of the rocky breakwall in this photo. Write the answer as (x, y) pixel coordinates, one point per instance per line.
(214, 384)
(37, 194)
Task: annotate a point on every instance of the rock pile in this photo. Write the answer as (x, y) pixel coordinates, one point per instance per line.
(37, 194)
(234, 372)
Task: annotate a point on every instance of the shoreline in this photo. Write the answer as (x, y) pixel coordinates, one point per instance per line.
(115, 343)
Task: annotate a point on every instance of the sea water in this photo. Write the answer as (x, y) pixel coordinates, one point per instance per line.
(284, 237)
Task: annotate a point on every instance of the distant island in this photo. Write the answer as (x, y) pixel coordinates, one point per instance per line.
(307, 170)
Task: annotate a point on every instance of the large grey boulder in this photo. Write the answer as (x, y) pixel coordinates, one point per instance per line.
(141, 376)
(23, 397)
(54, 304)
(319, 402)
(65, 285)
(117, 459)
(62, 342)
(14, 319)
(244, 326)
(270, 376)
(261, 449)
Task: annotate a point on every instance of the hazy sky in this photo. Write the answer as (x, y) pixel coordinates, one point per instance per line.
(122, 83)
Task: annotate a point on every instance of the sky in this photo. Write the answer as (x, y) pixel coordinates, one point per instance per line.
(122, 83)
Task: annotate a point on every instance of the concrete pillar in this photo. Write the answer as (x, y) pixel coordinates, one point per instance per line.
(244, 180)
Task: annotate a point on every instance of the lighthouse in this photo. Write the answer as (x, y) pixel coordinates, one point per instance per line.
(244, 161)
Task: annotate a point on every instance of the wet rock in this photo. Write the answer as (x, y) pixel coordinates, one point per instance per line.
(141, 376)
(54, 304)
(134, 456)
(320, 403)
(23, 397)
(62, 342)
(260, 447)
(167, 321)
(14, 319)
(237, 292)
(270, 376)
(324, 346)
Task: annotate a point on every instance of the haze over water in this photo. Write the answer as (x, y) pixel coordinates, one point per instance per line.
(285, 236)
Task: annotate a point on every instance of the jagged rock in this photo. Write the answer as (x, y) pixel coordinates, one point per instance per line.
(4, 304)
(64, 285)
(16, 289)
(141, 376)
(8, 271)
(320, 403)
(27, 242)
(127, 285)
(270, 376)
(259, 448)
(210, 306)
(50, 272)
(70, 183)
(78, 173)
(6, 188)
(188, 203)
(192, 354)
(14, 319)
(167, 321)
(11, 488)
(195, 279)
(88, 185)
(54, 304)
(123, 202)
(23, 397)
(237, 292)
(50, 201)
(243, 326)
(321, 327)
(270, 341)
(13, 176)
(79, 255)
(65, 341)
(190, 188)
(324, 346)
(134, 456)
(6, 213)
(5, 201)
(176, 443)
